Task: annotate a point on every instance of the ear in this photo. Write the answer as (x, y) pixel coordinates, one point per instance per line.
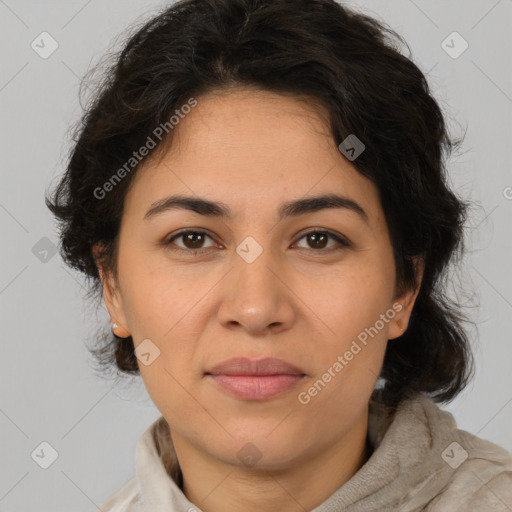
(111, 295)
(404, 304)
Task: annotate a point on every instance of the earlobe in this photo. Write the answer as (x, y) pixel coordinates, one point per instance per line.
(112, 298)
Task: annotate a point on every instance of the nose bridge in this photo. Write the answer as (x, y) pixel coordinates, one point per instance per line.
(253, 264)
(256, 297)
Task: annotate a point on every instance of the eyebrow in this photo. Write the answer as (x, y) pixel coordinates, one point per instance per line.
(289, 209)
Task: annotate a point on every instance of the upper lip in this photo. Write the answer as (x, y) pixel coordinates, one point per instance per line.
(247, 366)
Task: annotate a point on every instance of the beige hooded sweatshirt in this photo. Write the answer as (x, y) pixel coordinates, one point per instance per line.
(420, 462)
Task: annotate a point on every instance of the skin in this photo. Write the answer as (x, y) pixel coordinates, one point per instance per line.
(301, 300)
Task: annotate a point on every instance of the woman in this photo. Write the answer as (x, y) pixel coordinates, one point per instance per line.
(258, 190)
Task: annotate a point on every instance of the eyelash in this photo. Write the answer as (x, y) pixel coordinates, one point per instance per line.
(343, 242)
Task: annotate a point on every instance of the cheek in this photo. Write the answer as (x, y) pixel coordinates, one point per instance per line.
(154, 295)
(352, 301)
(353, 346)
(162, 305)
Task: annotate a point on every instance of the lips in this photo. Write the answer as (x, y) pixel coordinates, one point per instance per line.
(261, 367)
(249, 379)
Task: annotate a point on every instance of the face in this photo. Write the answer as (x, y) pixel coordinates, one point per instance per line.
(312, 285)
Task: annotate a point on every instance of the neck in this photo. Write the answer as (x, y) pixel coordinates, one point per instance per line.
(218, 486)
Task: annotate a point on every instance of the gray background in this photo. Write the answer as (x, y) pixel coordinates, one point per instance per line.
(49, 392)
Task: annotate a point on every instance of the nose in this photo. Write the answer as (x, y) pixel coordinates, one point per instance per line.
(256, 297)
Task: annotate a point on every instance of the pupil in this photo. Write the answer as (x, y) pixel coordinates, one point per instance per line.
(316, 236)
(197, 243)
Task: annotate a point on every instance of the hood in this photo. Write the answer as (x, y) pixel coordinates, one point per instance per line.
(420, 461)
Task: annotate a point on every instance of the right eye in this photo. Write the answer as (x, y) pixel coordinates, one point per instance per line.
(192, 240)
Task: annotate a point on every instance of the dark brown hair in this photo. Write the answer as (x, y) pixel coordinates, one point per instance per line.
(346, 61)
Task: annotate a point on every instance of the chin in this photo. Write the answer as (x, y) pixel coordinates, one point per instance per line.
(264, 451)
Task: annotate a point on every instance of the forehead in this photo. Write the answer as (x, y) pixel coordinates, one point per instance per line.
(251, 149)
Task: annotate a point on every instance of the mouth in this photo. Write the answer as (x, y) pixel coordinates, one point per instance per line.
(249, 379)
(254, 387)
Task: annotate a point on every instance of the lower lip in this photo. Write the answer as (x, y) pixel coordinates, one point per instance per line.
(252, 387)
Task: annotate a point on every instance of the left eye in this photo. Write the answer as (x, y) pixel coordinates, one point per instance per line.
(194, 239)
(320, 238)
